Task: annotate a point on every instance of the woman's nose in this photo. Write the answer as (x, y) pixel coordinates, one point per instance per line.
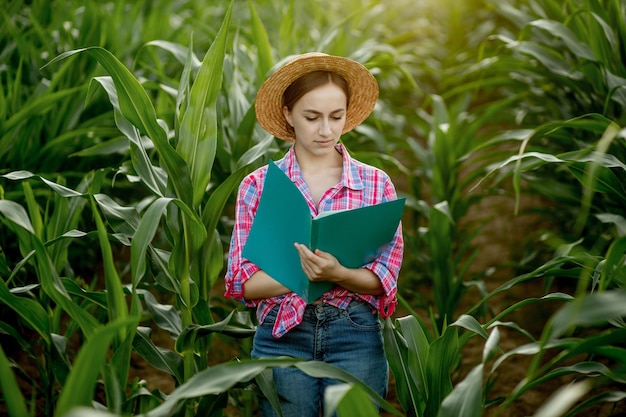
(325, 127)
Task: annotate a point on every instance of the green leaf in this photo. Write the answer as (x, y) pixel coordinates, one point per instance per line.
(152, 177)
(143, 237)
(614, 263)
(563, 399)
(29, 310)
(407, 384)
(16, 214)
(135, 105)
(11, 393)
(80, 385)
(262, 42)
(236, 324)
(348, 401)
(466, 398)
(198, 130)
(158, 357)
(442, 357)
(589, 310)
(558, 29)
(470, 323)
(164, 315)
(116, 301)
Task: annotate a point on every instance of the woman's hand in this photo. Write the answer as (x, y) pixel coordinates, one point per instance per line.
(318, 265)
(322, 266)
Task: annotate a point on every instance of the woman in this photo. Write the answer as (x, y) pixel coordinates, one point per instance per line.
(311, 101)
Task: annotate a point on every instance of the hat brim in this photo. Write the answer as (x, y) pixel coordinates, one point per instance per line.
(361, 83)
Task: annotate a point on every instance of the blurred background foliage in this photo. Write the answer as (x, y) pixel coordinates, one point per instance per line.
(125, 128)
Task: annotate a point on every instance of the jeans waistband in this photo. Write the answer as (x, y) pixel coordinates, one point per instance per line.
(327, 311)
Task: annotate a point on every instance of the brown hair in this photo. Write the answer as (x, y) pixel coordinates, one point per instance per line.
(309, 82)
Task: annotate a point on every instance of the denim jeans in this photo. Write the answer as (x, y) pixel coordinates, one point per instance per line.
(350, 339)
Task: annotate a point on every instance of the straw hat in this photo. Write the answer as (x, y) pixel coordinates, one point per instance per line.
(269, 100)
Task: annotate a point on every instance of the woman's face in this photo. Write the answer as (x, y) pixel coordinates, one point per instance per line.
(318, 119)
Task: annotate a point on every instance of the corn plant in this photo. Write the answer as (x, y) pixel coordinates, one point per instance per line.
(568, 93)
(179, 182)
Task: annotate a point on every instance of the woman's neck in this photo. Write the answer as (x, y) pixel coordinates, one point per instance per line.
(320, 173)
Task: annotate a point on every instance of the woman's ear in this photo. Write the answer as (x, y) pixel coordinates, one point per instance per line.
(287, 115)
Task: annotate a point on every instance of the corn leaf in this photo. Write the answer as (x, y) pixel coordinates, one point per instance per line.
(80, 385)
(29, 310)
(348, 401)
(12, 395)
(198, 130)
(466, 398)
(136, 106)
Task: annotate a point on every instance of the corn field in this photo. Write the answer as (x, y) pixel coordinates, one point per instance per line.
(126, 127)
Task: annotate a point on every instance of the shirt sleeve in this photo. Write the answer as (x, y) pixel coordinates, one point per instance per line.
(387, 265)
(240, 269)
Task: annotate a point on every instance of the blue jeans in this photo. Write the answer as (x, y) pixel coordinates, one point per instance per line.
(350, 339)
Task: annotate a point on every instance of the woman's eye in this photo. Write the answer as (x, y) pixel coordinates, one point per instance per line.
(310, 119)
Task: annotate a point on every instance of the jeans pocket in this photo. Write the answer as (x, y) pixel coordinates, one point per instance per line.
(359, 315)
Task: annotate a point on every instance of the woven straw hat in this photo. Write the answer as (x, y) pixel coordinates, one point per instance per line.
(269, 100)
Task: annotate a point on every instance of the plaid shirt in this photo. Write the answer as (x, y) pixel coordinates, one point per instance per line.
(360, 185)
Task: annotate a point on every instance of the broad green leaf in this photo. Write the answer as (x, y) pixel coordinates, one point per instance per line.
(614, 263)
(558, 29)
(164, 315)
(116, 301)
(80, 385)
(551, 59)
(466, 397)
(136, 106)
(470, 323)
(219, 197)
(442, 357)
(491, 347)
(215, 380)
(60, 189)
(143, 237)
(16, 214)
(11, 393)
(397, 356)
(52, 285)
(347, 401)
(418, 347)
(319, 369)
(262, 42)
(181, 53)
(236, 324)
(563, 399)
(590, 310)
(29, 310)
(197, 139)
(604, 397)
(152, 176)
(158, 357)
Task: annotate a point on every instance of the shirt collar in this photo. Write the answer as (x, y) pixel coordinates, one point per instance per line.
(350, 177)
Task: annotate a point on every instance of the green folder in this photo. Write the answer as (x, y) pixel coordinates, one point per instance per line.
(355, 237)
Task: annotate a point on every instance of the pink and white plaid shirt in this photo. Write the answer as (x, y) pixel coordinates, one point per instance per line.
(360, 185)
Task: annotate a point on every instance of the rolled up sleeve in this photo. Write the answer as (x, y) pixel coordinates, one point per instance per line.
(240, 269)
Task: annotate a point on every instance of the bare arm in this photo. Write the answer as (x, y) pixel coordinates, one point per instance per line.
(322, 266)
(260, 285)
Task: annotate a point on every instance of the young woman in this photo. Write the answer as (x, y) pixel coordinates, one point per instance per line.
(311, 101)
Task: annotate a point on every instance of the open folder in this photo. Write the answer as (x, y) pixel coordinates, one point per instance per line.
(355, 237)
